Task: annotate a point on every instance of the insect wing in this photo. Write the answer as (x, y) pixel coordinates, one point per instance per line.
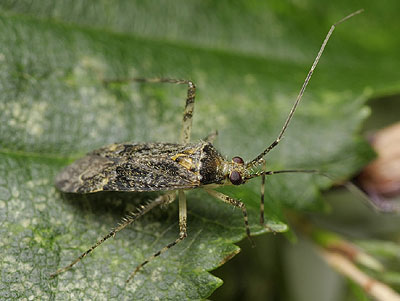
(128, 167)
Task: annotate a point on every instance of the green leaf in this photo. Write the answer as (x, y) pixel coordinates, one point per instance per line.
(248, 60)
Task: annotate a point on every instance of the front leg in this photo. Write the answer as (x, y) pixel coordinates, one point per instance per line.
(227, 199)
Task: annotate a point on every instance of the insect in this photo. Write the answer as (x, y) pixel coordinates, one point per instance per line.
(172, 168)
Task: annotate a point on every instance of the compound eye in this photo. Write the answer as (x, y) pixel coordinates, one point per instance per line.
(237, 160)
(235, 178)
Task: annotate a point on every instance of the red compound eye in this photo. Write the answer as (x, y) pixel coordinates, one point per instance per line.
(237, 160)
(235, 178)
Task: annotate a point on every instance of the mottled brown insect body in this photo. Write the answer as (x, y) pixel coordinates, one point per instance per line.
(172, 168)
(145, 167)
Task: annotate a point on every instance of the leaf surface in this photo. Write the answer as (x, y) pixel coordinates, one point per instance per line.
(248, 61)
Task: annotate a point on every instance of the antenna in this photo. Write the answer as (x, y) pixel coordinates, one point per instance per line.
(303, 88)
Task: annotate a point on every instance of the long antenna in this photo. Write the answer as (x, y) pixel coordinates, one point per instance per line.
(303, 88)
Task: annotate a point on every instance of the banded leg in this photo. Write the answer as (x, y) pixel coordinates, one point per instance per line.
(262, 209)
(264, 168)
(129, 219)
(236, 203)
(182, 234)
(189, 106)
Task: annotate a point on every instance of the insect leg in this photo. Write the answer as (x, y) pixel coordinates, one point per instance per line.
(189, 106)
(262, 220)
(236, 203)
(264, 168)
(182, 234)
(129, 219)
(211, 137)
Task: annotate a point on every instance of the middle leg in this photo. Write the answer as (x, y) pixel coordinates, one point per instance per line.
(182, 234)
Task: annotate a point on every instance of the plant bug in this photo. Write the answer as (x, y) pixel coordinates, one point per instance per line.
(171, 167)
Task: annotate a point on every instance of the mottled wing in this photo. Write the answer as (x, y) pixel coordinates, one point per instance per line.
(133, 167)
